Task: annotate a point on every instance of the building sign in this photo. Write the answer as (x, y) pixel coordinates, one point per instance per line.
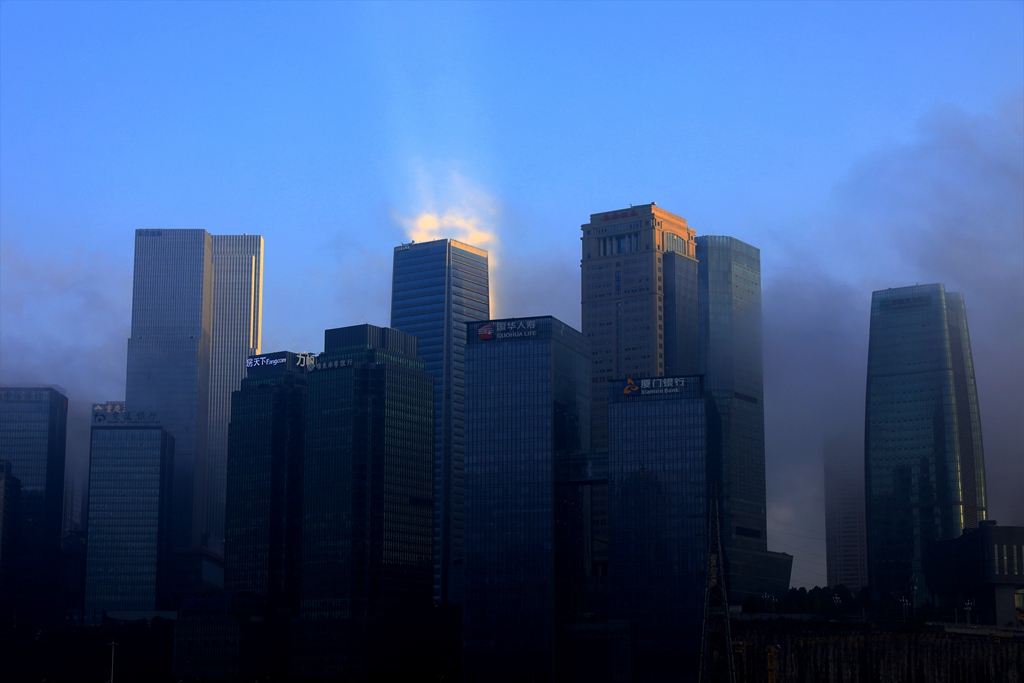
(115, 413)
(260, 361)
(305, 360)
(616, 215)
(654, 386)
(507, 329)
(329, 364)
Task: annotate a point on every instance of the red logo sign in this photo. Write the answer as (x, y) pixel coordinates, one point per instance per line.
(485, 332)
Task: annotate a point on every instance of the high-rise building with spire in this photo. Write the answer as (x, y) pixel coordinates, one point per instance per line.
(923, 456)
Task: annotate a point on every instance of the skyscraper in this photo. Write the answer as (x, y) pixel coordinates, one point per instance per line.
(639, 289)
(264, 514)
(437, 287)
(657, 464)
(366, 533)
(196, 317)
(237, 335)
(527, 412)
(169, 350)
(923, 457)
(131, 460)
(846, 555)
(729, 311)
(33, 439)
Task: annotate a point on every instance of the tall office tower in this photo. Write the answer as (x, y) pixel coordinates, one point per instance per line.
(10, 506)
(131, 461)
(639, 289)
(846, 554)
(169, 350)
(729, 311)
(657, 464)
(527, 412)
(366, 532)
(237, 332)
(196, 317)
(33, 438)
(923, 459)
(263, 553)
(437, 287)
(248, 636)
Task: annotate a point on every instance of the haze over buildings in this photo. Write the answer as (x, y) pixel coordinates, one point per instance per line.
(851, 174)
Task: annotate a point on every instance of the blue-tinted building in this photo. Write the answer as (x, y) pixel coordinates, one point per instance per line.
(131, 461)
(527, 414)
(10, 506)
(169, 350)
(923, 455)
(367, 503)
(196, 317)
(437, 287)
(731, 360)
(657, 471)
(33, 439)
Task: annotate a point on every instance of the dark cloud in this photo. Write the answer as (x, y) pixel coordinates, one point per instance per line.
(947, 207)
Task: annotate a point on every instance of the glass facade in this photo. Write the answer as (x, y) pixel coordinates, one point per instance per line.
(237, 332)
(527, 413)
(130, 475)
(729, 314)
(657, 462)
(367, 508)
(437, 287)
(263, 550)
(169, 350)
(924, 463)
(33, 439)
(196, 317)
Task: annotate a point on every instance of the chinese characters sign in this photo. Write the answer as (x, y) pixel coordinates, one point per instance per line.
(507, 329)
(115, 413)
(654, 386)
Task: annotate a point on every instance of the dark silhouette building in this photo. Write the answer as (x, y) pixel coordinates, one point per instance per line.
(846, 555)
(983, 569)
(33, 439)
(436, 288)
(923, 458)
(527, 413)
(10, 506)
(657, 465)
(247, 634)
(729, 312)
(367, 509)
(131, 461)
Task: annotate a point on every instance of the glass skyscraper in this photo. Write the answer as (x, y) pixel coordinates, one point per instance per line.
(437, 287)
(131, 460)
(924, 462)
(196, 317)
(527, 412)
(729, 313)
(367, 507)
(657, 463)
(237, 332)
(263, 552)
(33, 439)
(169, 350)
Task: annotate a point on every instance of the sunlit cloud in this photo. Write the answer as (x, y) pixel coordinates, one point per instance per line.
(450, 206)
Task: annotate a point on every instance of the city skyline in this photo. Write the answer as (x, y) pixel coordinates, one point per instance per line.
(922, 184)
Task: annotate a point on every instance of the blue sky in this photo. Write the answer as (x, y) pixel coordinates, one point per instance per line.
(859, 145)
